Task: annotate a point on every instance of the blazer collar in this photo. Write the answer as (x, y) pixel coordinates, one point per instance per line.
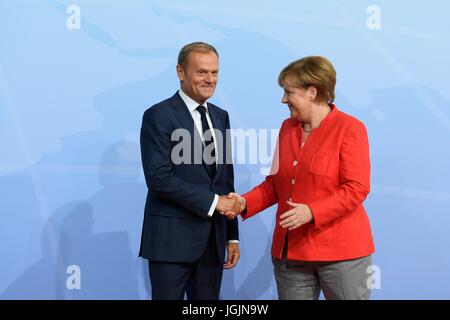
(330, 116)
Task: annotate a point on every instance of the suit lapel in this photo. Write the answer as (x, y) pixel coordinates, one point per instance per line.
(183, 115)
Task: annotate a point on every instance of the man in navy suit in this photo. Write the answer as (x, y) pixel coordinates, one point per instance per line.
(186, 156)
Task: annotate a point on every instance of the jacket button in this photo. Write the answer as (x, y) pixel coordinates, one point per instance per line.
(295, 163)
(293, 181)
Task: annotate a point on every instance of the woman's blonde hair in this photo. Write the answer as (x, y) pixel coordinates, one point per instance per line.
(313, 71)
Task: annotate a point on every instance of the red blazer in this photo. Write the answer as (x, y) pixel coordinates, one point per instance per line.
(331, 174)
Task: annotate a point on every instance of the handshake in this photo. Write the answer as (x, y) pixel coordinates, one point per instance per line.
(231, 205)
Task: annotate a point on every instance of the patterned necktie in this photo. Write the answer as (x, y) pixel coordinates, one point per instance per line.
(205, 127)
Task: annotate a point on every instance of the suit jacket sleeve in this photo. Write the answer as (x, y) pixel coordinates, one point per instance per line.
(354, 175)
(156, 148)
(232, 225)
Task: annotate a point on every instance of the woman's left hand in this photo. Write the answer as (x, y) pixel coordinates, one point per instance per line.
(296, 217)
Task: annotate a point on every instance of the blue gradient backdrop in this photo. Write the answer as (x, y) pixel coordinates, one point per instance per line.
(71, 185)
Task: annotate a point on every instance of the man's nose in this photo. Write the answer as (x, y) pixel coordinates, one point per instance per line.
(208, 77)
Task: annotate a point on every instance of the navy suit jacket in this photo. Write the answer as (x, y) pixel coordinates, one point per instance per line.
(176, 225)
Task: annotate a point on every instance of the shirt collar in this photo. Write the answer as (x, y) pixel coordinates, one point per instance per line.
(190, 103)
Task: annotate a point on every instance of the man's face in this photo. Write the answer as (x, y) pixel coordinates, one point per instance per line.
(199, 76)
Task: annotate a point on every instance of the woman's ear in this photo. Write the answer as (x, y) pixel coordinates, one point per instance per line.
(312, 93)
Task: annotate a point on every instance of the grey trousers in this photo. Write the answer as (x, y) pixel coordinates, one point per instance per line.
(339, 280)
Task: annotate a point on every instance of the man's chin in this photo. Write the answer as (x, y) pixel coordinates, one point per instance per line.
(207, 95)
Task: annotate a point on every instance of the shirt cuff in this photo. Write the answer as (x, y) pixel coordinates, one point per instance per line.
(232, 241)
(213, 206)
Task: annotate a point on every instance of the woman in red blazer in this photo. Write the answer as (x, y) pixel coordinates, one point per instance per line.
(320, 178)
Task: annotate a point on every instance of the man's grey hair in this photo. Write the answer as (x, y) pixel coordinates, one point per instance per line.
(194, 46)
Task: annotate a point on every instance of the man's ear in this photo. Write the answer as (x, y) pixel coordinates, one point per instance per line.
(180, 72)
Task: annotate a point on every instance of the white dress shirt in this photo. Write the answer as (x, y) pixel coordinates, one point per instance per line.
(192, 106)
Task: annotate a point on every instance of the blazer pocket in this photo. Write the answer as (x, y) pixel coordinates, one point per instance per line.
(322, 235)
(319, 164)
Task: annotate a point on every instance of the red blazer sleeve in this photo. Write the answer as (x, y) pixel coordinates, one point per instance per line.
(354, 178)
(261, 197)
(264, 195)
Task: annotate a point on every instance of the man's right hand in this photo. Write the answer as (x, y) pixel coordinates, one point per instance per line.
(228, 206)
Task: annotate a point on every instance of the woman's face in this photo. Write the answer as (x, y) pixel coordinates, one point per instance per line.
(299, 100)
